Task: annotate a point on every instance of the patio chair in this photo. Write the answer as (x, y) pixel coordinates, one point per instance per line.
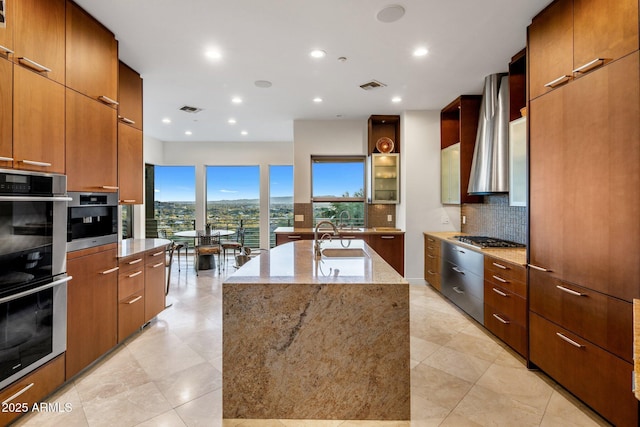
(206, 244)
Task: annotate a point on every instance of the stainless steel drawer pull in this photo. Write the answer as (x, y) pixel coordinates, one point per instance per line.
(431, 256)
(137, 273)
(458, 290)
(294, 237)
(430, 239)
(127, 121)
(571, 291)
(36, 163)
(111, 270)
(110, 187)
(499, 292)
(128, 200)
(388, 237)
(157, 265)
(135, 261)
(33, 65)
(598, 62)
(430, 248)
(457, 270)
(560, 80)
(347, 237)
(500, 279)
(136, 299)
(13, 396)
(108, 100)
(569, 340)
(7, 51)
(6, 159)
(504, 267)
(535, 267)
(506, 322)
(158, 253)
(431, 272)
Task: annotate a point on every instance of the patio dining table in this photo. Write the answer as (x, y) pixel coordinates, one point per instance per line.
(205, 262)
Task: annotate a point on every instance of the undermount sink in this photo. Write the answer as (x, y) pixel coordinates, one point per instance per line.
(344, 253)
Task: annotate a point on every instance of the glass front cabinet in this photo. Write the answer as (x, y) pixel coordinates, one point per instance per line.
(450, 174)
(384, 178)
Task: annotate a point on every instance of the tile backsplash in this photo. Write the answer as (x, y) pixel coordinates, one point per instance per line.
(495, 218)
(376, 215)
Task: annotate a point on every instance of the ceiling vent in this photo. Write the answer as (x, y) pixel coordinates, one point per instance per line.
(189, 109)
(373, 84)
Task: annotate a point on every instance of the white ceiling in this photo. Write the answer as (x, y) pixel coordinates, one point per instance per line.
(165, 41)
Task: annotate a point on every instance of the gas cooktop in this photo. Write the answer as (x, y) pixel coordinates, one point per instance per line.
(488, 242)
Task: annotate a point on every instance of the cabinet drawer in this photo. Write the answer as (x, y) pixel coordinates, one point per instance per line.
(155, 256)
(130, 282)
(508, 303)
(603, 320)
(600, 379)
(509, 331)
(466, 259)
(131, 263)
(433, 278)
(130, 315)
(431, 246)
(32, 388)
(505, 270)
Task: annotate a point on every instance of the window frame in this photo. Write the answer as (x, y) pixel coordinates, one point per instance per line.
(341, 159)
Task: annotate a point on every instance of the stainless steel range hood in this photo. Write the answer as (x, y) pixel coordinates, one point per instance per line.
(490, 166)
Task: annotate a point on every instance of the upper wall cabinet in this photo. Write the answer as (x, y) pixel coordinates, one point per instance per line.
(92, 56)
(39, 36)
(384, 127)
(572, 37)
(130, 96)
(6, 32)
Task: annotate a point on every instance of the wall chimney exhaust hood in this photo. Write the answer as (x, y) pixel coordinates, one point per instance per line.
(490, 165)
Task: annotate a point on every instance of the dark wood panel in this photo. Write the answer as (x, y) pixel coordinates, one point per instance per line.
(130, 165)
(512, 333)
(391, 248)
(6, 111)
(506, 302)
(130, 95)
(6, 33)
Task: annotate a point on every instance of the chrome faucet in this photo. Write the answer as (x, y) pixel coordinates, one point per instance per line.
(317, 250)
(341, 223)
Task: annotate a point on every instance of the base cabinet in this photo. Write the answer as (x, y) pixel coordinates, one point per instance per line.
(130, 295)
(391, 248)
(432, 261)
(154, 284)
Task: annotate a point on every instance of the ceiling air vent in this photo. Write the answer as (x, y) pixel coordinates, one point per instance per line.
(189, 109)
(373, 84)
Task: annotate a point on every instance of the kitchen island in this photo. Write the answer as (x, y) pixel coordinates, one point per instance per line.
(307, 338)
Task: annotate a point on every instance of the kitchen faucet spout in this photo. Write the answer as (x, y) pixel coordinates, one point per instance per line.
(317, 250)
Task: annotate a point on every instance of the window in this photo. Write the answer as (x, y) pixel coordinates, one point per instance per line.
(280, 199)
(338, 189)
(174, 192)
(233, 200)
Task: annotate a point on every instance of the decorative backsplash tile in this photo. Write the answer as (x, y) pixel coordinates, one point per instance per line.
(495, 218)
(377, 215)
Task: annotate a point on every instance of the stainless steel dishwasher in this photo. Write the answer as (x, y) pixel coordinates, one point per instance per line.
(463, 278)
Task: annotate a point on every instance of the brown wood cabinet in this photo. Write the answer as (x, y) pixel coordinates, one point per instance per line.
(384, 126)
(92, 56)
(130, 295)
(38, 122)
(391, 248)
(282, 238)
(154, 283)
(6, 114)
(130, 96)
(91, 144)
(432, 261)
(92, 311)
(35, 386)
(6, 33)
(130, 165)
(39, 36)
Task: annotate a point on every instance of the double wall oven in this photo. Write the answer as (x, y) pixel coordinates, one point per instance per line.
(33, 279)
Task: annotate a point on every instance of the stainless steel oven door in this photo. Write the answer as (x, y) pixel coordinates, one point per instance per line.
(33, 329)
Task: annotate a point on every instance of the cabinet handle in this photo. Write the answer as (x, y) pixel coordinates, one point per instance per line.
(458, 250)
(500, 279)
(127, 121)
(535, 267)
(457, 289)
(431, 272)
(499, 292)
(504, 267)
(431, 256)
(158, 253)
(110, 187)
(6, 159)
(431, 240)
(36, 163)
(13, 396)
(591, 65)
(560, 80)
(111, 270)
(347, 237)
(506, 322)
(569, 340)
(7, 51)
(294, 237)
(108, 100)
(128, 201)
(137, 273)
(135, 261)
(457, 270)
(33, 65)
(387, 237)
(157, 265)
(136, 299)
(570, 291)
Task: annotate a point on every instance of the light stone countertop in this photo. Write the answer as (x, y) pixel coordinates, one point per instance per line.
(514, 255)
(372, 230)
(129, 247)
(294, 263)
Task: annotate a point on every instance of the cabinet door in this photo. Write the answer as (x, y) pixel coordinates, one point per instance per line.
(91, 308)
(6, 113)
(130, 164)
(154, 285)
(391, 248)
(518, 162)
(39, 35)
(601, 184)
(92, 55)
(6, 32)
(38, 122)
(130, 315)
(604, 29)
(130, 96)
(550, 46)
(91, 144)
(450, 174)
(385, 178)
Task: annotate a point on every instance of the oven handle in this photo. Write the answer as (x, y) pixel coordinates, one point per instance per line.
(35, 199)
(34, 290)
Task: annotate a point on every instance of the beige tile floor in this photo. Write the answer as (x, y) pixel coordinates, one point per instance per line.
(170, 374)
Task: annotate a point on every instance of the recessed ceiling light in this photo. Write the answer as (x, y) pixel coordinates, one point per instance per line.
(231, 121)
(262, 83)
(236, 100)
(166, 120)
(244, 132)
(213, 54)
(188, 132)
(317, 99)
(396, 99)
(421, 51)
(390, 13)
(317, 53)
